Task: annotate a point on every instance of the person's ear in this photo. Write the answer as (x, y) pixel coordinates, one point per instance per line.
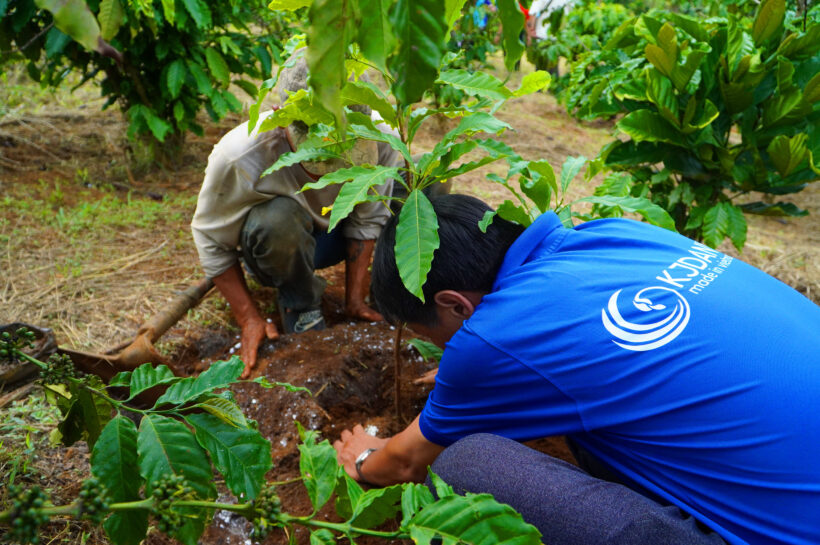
(454, 304)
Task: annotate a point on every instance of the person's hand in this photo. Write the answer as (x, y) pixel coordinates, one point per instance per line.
(254, 331)
(352, 444)
(360, 309)
(427, 378)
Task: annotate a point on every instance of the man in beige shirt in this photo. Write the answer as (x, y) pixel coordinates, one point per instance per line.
(279, 232)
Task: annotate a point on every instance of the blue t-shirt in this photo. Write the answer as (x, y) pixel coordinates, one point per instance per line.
(691, 373)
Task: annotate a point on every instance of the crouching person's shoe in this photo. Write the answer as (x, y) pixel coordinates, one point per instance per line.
(299, 321)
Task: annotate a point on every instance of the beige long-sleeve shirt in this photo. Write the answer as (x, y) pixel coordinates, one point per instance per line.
(233, 186)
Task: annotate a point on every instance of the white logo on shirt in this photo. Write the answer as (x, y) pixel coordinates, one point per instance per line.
(643, 337)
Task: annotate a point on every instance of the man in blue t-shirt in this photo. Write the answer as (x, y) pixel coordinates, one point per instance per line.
(686, 381)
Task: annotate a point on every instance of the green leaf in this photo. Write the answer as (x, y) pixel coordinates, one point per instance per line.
(224, 409)
(322, 537)
(288, 5)
(363, 92)
(175, 77)
(414, 498)
(166, 447)
(376, 506)
(416, 241)
(265, 383)
(512, 24)
(722, 220)
(358, 189)
(421, 31)
(487, 220)
(375, 33)
(147, 376)
(75, 19)
(647, 126)
(86, 416)
(476, 83)
(203, 82)
(541, 185)
(664, 55)
(318, 465)
(218, 67)
(111, 18)
(200, 13)
(249, 88)
(811, 93)
(304, 153)
(452, 12)
(533, 82)
(768, 20)
(512, 212)
(570, 169)
(650, 211)
(219, 375)
(426, 350)
(363, 131)
(123, 378)
(348, 492)
(114, 463)
(241, 455)
(474, 519)
(788, 153)
(332, 26)
(169, 10)
(776, 209)
(660, 93)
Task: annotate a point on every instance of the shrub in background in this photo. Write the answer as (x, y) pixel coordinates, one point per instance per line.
(715, 110)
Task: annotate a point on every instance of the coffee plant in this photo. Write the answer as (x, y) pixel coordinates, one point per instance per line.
(161, 61)
(716, 111)
(160, 462)
(409, 55)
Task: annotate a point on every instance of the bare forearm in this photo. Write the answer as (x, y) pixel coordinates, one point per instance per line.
(356, 264)
(231, 284)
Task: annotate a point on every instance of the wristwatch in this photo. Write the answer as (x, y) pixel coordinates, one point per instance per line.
(360, 460)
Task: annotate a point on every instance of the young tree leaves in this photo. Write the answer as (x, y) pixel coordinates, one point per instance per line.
(175, 77)
(476, 83)
(219, 375)
(375, 34)
(512, 24)
(317, 464)
(74, 18)
(110, 17)
(358, 190)
(768, 20)
(476, 519)
(167, 447)
(421, 30)
(416, 241)
(147, 376)
(332, 26)
(653, 213)
(724, 220)
(240, 454)
(114, 463)
(218, 67)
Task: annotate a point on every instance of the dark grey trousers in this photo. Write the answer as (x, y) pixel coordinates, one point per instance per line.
(565, 503)
(281, 249)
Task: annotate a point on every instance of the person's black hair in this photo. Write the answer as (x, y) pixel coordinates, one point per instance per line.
(466, 260)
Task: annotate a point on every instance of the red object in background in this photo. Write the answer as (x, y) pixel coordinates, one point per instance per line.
(524, 10)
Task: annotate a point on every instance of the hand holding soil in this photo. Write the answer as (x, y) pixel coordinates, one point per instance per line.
(351, 444)
(253, 333)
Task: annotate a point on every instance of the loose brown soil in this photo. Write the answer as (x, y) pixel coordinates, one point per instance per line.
(95, 284)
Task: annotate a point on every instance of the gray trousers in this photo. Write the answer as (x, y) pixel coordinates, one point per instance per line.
(281, 250)
(567, 505)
